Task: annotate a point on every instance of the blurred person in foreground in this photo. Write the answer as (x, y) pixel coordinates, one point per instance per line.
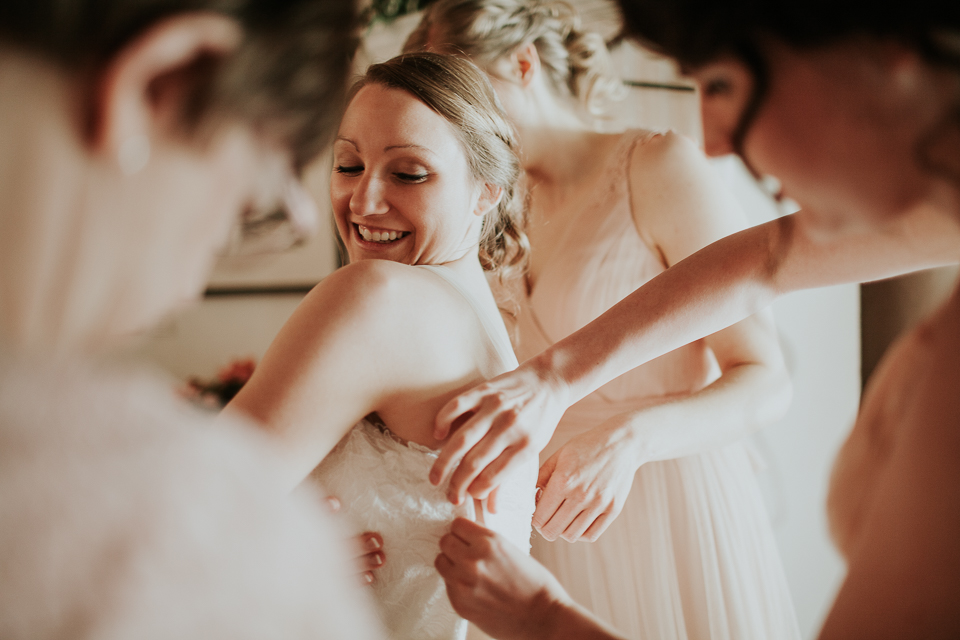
(134, 136)
(854, 108)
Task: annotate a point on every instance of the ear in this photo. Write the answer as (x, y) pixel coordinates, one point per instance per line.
(490, 196)
(144, 87)
(526, 63)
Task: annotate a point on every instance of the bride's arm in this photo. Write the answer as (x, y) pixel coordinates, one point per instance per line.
(359, 337)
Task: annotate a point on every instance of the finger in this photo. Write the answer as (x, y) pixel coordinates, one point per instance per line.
(370, 541)
(473, 464)
(546, 470)
(599, 526)
(580, 524)
(444, 567)
(374, 560)
(460, 443)
(453, 572)
(454, 547)
(560, 520)
(469, 401)
(366, 543)
(468, 531)
(496, 472)
(492, 500)
(551, 499)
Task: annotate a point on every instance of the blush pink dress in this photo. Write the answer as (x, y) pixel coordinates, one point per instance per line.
(692, 554)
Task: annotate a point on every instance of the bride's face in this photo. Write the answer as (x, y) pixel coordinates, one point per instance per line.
(401, 188)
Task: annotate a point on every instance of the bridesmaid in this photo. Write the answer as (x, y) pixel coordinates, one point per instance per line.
(649, 466)
(858, 118)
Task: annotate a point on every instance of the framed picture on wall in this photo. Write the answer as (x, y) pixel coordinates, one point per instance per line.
(294, 270)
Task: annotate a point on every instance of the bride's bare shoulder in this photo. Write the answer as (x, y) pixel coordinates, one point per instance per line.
(381, 290)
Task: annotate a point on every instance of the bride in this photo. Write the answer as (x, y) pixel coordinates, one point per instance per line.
(423, 193)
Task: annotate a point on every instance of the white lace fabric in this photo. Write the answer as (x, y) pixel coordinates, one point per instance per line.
(382, 484)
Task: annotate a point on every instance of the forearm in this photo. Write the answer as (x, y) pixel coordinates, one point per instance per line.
(730, 280)
(745, 399)
(570, 621)
(710, 290)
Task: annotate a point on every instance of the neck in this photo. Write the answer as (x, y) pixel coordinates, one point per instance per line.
(553, 137)
(41, 179)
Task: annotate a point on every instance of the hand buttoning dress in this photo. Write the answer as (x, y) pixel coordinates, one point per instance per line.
(383, 485)
(692, 554)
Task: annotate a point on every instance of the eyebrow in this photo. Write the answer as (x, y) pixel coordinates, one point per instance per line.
(391, 147)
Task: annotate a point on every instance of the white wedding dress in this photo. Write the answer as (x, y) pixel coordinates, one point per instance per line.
(382, 483)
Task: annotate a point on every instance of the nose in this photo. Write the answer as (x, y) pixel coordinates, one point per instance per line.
(369, 197)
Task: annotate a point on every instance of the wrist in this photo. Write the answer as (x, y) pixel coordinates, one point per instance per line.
(570, 621)
(552, 374)
(557, 618)
(544, 366)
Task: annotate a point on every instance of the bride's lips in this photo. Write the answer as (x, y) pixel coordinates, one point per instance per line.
(377, 237)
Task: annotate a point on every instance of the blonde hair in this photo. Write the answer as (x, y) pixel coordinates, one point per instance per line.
(462, 94)
(576, 62)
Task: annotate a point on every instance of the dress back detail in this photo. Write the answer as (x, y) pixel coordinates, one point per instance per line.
(382, 483)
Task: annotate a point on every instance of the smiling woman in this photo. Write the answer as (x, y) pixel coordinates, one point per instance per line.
(423, 192)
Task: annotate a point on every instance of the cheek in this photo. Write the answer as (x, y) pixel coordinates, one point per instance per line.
(719, 124)
(340, 194)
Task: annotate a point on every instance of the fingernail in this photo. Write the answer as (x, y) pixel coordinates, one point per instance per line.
(377, 559)
(368, 577)
(537, 495)
(372, 543)
(333, 503)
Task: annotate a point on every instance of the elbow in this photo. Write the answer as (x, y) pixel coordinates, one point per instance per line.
(771, 398)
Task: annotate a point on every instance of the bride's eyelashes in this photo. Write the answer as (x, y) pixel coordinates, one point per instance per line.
(402, 176)
(412, 177)
(349, 171)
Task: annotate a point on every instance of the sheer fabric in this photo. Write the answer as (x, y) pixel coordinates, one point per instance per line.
(692, 554)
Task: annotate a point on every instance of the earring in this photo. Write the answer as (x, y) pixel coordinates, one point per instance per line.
(134, 154)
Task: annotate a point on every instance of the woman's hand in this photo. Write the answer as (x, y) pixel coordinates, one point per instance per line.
(493, 584)
(497, 426)
(586, 482)
(367, 548)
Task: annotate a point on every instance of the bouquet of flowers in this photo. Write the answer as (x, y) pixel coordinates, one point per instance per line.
(216, 393)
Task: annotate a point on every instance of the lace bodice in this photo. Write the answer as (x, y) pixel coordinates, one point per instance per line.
(382, 483)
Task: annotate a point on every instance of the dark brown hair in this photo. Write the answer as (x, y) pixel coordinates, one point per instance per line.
(287, 77)
(696, 32)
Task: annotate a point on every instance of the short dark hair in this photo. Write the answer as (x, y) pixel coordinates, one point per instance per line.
(287, 77)
(696, 32)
